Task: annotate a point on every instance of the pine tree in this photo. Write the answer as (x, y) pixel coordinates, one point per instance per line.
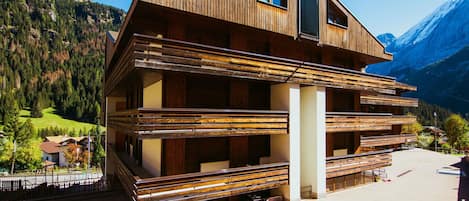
(99, 152)
(36, 108)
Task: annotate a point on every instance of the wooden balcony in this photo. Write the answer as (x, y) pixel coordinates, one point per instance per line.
(350, 122)
(388, 100)
(213, 185)
(355, 163)
(383, 140)
(146, 52)
(188, 123)
(202, 186)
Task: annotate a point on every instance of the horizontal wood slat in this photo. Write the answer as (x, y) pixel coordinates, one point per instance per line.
(345, 165)
(388, 100)
(374, 141)
(187, 122)
(349, 122)
(171, 55)
(213, 185)
(201, 185)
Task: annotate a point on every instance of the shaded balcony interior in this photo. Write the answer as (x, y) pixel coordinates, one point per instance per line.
(166, 125)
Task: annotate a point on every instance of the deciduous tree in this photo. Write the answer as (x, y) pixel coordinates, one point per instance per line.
(456, 130)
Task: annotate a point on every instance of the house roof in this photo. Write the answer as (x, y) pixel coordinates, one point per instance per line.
(433, 129)
(48, 163)
(61, 138)
(50, 147)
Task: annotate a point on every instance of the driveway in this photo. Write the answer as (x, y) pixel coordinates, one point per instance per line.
(413, 177)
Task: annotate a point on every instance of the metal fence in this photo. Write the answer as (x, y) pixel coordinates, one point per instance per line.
(46, 185)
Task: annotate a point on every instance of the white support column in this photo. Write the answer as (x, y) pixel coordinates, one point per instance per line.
(152, 148)
(313, 142)
(287, 147)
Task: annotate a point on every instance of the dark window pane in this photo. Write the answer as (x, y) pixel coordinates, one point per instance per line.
(282, 3)
(310, 17)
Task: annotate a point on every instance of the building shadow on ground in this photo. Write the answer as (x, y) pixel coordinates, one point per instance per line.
(463, 192)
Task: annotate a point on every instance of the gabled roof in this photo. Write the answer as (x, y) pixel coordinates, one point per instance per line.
(61, 138)
(50, 147)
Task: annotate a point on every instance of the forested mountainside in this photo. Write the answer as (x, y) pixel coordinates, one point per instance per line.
(444, 83)
(52, 54)
(425, 114)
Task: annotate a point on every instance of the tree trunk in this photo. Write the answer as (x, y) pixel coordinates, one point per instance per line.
(13, 158)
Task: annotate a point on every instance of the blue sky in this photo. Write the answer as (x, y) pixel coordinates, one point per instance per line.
(379, 16)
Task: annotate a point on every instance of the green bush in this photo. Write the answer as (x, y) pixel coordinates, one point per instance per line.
(425, 141)
(446, 147)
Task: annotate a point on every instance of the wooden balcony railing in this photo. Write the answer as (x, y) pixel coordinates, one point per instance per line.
(355, 163)
(388, 100)
(350, 122)
(213, 185)
(382, 140)
(201, 186)
(171, 55)
(189, 122)
(125, 176)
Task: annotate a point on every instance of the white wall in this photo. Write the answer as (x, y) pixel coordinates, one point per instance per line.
(287, 147)
(62, 160)
(313, 142)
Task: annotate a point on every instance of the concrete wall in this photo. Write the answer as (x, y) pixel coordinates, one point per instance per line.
(287, 147)
(313, 142)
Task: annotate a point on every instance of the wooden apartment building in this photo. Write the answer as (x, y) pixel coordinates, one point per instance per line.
(227, 99)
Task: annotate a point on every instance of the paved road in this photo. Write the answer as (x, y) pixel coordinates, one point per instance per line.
(419, 180)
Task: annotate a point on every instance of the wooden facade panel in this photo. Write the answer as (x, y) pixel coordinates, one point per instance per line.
(350, 164)
(187, 123)
(354, 37)
(350, 122)
(171, 55)
(203, 185)
(246, 12)
(388, 100)
(375, 141)
(213, 185)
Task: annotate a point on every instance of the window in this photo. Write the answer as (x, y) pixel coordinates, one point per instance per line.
(335, 16)
(309, 12)
(277, 3)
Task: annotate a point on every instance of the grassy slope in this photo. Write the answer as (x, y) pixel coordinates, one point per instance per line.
(50, 119)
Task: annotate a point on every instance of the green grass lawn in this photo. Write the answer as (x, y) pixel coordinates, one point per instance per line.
(50, 119)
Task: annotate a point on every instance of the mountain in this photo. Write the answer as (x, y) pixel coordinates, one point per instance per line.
(52, 54)
(434, 56)
(445, 83)
(436, 37)
(387, 39)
